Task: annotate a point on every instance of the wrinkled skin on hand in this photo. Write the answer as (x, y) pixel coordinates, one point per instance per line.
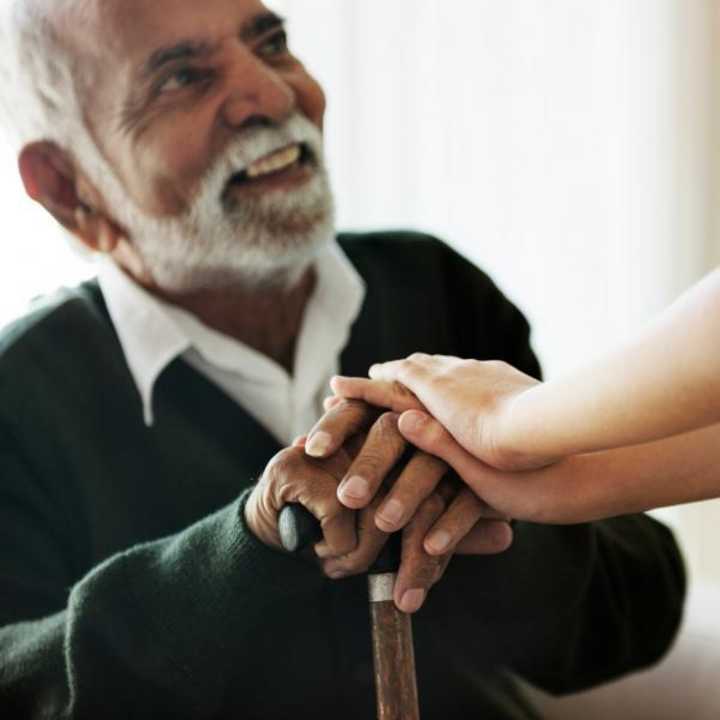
(354, 440)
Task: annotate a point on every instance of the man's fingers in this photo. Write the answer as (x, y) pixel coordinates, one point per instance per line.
(339, 532)
(455, 523)
(382, 449)
(416, 482)
(292, 477)
(469, 526)
(391, 395)
(488, 537)
(419, 571)
(371, 541)
(344, 419)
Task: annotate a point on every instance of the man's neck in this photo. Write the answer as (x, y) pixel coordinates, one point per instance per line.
(267, 319)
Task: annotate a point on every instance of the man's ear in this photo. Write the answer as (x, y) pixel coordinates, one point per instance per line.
(52, 179)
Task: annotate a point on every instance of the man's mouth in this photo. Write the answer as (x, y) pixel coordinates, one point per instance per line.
(276, 164)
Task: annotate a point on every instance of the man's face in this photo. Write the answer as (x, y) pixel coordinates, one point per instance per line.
(212, 128)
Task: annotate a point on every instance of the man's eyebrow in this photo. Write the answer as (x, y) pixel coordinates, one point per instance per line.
(259, 25)
(184, 50)
(191, 49)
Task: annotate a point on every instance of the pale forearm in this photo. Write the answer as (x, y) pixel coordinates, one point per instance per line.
(665, 382)
(582, 488)
(681, 469)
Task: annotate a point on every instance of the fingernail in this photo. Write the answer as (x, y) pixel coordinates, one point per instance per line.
(374, 369)
(438, 542)
(355, 487)
(392, 512)
(318, 444)
(412, 600)
(412, 421)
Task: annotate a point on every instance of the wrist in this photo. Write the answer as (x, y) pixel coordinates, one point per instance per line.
(516, 433)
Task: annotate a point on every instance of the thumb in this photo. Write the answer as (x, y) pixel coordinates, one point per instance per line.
(426, 433)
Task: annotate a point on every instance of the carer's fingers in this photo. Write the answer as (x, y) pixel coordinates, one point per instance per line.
(391, 395)
(413, 371)
(507, 493)
(426, 433)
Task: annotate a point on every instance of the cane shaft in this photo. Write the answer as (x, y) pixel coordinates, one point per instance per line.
(393, 654)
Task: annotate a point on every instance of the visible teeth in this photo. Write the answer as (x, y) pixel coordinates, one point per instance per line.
(272, 163)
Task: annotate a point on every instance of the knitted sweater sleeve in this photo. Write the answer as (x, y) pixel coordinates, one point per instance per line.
(154, 631)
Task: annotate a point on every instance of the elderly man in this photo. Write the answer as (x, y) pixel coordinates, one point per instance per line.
(140, 574)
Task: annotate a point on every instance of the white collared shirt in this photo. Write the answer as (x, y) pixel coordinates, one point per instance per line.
(153, 333)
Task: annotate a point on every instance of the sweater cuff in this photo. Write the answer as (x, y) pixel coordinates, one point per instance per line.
(271, 566)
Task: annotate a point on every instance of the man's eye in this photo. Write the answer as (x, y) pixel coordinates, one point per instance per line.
(275, 45)
(184, 78)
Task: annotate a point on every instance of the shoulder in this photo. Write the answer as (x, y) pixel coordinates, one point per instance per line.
(415, 276)
(64, 310)
(58, 339)
(414, 259)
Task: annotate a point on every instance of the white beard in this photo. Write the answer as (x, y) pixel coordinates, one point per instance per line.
(263, 240)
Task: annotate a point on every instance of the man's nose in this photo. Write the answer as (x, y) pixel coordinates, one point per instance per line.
(256, 91)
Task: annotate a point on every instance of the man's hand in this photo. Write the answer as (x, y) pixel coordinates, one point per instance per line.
(293, 477)
(418, 500)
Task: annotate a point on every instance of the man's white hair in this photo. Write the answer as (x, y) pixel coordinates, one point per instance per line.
(38, 95)
(40, 79)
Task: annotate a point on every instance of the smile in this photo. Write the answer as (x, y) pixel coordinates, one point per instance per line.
(277, 163)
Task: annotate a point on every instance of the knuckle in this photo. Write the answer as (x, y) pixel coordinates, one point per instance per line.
(430, 464)
(349, 406)
(467, 501)
(368, 464)
(496, 365)
(345, 411)
(429, 572)
(387, 424)
(286, 460)
(434, 504)
(407, 367)
(417, 357)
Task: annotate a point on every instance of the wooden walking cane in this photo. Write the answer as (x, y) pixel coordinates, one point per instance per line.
(393, 654)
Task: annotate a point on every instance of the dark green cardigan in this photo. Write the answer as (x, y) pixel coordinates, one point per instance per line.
(130, 587)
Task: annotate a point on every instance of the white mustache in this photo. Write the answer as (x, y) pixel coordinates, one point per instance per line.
(262, 141)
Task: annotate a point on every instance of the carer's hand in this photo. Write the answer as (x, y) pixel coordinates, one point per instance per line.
(473, 400)
(419, 501)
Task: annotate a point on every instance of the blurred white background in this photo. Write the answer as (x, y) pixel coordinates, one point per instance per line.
(566, 146)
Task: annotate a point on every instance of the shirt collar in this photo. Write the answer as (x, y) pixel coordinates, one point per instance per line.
(153, 333)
